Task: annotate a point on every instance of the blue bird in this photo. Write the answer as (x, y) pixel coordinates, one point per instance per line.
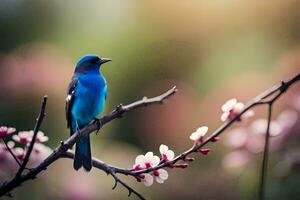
(86, 96)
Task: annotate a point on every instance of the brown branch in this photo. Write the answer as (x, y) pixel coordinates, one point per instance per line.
(95, 125)
(267, 97)
(36, 129)
(261, 99)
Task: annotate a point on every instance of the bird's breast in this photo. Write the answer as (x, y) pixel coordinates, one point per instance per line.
(89, 99)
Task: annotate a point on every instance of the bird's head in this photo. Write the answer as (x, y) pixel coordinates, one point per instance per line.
(90, 63)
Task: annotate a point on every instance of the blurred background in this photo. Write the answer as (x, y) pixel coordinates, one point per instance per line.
(211, 50)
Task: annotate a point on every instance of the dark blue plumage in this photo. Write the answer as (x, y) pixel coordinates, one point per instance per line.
(86, 97)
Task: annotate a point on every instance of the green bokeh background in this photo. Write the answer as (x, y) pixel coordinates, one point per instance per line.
(212, 51)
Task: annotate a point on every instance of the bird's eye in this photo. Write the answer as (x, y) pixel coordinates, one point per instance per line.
(94, 60)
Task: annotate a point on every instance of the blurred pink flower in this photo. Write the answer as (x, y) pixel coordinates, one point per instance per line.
(237, 137)
(19, 153)
(39, 153)
(259, 126)
(232, 108)
(147, 179)
(296, 102)
(166, 153)
(25, 137)
(161, 175)
(22, 137)
(40, 137)
(236, 159)
(287, 119)
(6, 131)
(3, 149)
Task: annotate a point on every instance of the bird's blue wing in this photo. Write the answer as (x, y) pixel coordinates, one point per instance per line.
(70, 100)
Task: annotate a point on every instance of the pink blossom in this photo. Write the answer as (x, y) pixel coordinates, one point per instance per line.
(287, 119)
(161, 175)
(147, 179)
(40, 137)
(146, 161)
(22, 137)
(259, 126)
(6, 131)
(237, 138)
(236, 159)
(198, 135)
(25, 137)
(166, 153)
(232, 108)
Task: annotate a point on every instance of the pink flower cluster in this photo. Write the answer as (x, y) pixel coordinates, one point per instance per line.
(6, 131)
(245, 142)
(149, 160)
(23, 139)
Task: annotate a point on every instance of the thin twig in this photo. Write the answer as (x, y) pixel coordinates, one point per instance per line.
(264, 168)
(36, 129)
(11, 153)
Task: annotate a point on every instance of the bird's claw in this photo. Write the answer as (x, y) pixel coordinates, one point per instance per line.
(99, 125)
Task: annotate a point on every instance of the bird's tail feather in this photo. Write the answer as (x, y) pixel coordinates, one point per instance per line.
(83, 155)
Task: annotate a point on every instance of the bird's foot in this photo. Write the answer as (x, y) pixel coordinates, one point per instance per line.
(99, 125)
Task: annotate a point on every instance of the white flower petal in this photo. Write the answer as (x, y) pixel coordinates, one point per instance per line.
(154, 161)
(202, 130)
(16, 138)
(148, 155)
(163, 174)
(163, 149)
(170, 155)
(139, 160)
(195, 136)
(11, 144)
(147, 180)
(159, 180)
(225, 116)
(229, 105)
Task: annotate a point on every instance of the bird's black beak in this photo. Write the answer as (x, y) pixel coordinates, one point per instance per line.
(104, 60)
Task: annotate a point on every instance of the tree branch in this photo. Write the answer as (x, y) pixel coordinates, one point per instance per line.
(95, 125)
(268, 97)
